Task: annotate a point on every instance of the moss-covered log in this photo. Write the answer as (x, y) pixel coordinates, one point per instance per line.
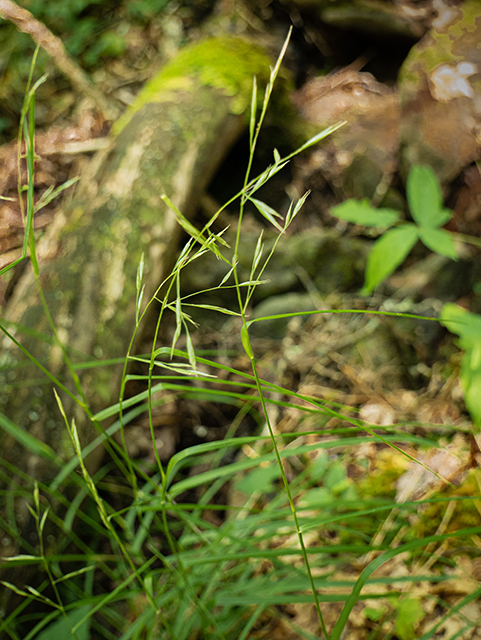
(170, 141)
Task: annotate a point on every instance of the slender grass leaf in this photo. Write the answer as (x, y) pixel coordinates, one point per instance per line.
(178, 459)
(22, 559)
(361, 212)
(279, 600)
(212, 307)
(321, 135)
(41, 597)
(43, 519)
(258, 611)
(268, 212)
(62, 628)
(455, 609)
(12, 265)
(190, 350)
(257, 255)
(379, 561)
(73, 574)
(226, 277)
(26, 439)
(246, 343)
(114, 409)
(231, 469)
(388, 253)
(15, 589)
(292, 213)
(51, 193)
(252, 119)
(439, 241)
(33, 513)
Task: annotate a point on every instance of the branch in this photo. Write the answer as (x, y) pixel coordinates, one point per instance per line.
(25, 22)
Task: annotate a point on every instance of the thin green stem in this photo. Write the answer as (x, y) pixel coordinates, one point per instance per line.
(462, 237)
(246, 339)
(291, 501)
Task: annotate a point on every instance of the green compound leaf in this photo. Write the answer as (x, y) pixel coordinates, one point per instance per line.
(439, 241)
(470, 376)
(425, 198)
(468, 327)
(444, 216)
(387, 254)
(361, 212)
(463, 323)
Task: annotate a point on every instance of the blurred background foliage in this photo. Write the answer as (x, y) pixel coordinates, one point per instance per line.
(96, 33)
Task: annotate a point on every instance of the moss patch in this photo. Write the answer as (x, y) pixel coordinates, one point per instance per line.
(227, 64)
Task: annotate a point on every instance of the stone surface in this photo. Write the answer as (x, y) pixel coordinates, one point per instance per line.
(360, 157)
(433, 118)
(373, 17)
(440, 95)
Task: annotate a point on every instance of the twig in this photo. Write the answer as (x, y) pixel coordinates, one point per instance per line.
(53, 45)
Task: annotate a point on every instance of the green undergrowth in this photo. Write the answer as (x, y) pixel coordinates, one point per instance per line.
(233, 538)
(91, 30)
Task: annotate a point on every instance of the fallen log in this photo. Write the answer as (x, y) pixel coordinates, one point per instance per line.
(170, 141)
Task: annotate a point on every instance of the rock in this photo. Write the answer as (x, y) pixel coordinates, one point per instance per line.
(440, 95)
(360, 157)
(275, 328)
(373, 17)
(342, 94)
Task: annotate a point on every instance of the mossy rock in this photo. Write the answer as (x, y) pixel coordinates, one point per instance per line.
(439, 87)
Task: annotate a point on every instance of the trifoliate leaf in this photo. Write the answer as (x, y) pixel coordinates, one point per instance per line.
(361, 212)
(425, 197)
(388, 253)
(439, 241)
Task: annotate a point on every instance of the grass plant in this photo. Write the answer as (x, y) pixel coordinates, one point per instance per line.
(227, 537)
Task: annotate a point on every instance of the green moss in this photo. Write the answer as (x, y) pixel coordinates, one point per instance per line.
(465, 515)
(379, 485)
(227, 64)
